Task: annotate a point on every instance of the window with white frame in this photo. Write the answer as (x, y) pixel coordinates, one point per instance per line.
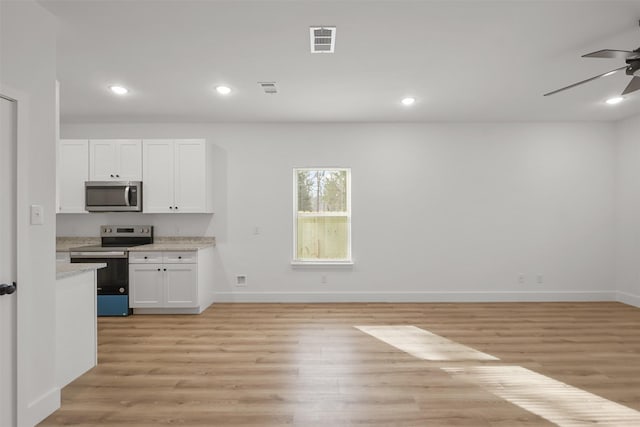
(322, 215)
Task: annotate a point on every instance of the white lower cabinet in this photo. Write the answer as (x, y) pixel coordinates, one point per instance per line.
(181, 285)
(174, 283)
(146, 285)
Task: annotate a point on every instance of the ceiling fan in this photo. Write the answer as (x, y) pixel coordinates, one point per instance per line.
(632, 68)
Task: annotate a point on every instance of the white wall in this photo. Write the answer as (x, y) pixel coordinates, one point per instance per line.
(628, 210)
(28, 65)
(440, 211)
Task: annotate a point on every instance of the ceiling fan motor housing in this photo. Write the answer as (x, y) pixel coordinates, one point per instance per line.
(634, 66)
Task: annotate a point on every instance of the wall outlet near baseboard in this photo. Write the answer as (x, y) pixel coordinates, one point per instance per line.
(540, 279)
(521, 279)
(323, 279)
(241, 280)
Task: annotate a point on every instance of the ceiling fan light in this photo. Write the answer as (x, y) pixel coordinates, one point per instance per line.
(615, 100)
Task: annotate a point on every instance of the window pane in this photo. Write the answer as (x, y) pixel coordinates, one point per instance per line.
(322, 191)
(322, 237)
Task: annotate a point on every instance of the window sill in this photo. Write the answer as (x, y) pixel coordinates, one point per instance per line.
(346, 263)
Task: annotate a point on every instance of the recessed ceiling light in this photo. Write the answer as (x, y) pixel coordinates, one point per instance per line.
(119, 90)
(614, 100)
(408, 101)
(223, 90)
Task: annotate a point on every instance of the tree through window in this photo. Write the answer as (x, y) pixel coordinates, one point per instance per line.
(322, 215)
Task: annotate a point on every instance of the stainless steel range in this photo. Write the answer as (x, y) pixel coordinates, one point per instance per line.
(113, 281)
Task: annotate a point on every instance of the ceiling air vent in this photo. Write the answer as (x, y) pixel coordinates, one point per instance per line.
(269, 87)
(323, 39)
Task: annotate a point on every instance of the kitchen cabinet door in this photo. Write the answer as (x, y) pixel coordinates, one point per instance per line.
(115, 160)
(157, 176)
(181, 285)
(146, 285)
(102, 160)
(129, 156)
(72, 171)
(190, 176)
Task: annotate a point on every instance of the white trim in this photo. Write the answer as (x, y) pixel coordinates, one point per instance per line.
(24, 411)
(408, 297)
(348, 214)
(326, 263)
(627, 298)
(171, 310)
(41, 407)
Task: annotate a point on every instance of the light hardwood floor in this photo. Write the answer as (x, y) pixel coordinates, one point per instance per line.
(308, 365)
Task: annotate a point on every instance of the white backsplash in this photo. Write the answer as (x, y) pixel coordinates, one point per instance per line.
(164, 224)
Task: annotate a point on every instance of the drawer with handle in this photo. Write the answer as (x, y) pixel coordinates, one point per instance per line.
(145, 257)
(180, 257)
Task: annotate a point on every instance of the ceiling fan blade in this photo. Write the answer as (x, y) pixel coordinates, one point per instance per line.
(633, 85)
(610, 53)
(608, 73)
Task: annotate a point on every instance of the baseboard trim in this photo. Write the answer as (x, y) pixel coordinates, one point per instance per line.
(40, 408)
(627, 298)
(175, 310)
(311, 297)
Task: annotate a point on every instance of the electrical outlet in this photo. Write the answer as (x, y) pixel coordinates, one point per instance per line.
(521, 279)
(323, 279)
(241, 280)
(540, 279)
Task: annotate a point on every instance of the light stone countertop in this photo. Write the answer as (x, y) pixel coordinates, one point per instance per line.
(176, 244)
(67, 269)
(64, 244)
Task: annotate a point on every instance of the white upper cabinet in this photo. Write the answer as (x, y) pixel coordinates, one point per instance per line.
(72, 171)
(190, 182)
(176, 176)
(115, 160)
(157, 176)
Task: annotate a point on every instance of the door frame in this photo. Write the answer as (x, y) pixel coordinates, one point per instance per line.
(22, 245)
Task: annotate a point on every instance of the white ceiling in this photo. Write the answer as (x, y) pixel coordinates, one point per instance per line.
(463, 60)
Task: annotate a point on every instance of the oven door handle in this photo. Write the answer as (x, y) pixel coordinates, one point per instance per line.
(127, 192)
(98, 255)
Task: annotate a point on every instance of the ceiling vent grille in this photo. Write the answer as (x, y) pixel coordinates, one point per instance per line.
(323, 39)
(269, 87)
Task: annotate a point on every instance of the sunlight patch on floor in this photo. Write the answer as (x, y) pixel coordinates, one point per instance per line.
(553, 400)
(424, 344)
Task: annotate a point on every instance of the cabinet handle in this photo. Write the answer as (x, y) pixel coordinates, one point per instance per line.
(176, 208)
(170, 207)
(112, 176)
(158, 269)
(179, 257)
(146, 257)
(117, 176)
(165, 269)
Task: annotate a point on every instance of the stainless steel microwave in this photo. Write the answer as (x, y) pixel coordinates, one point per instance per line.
(113, 196)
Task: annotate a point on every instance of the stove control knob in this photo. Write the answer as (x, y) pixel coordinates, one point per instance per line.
(121, 290)
(107, 230)
(142, 230)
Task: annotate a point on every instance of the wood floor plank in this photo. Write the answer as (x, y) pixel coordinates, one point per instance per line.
(308, 365)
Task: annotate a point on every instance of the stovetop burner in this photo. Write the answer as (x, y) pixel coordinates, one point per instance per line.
(120, 238)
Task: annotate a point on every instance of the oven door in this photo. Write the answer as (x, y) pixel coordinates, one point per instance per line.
(112, 280)
(107, 196)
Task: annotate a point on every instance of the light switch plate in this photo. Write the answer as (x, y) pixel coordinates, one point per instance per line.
(37, 215)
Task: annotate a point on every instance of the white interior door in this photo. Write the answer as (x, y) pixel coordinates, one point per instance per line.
(8, 386)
